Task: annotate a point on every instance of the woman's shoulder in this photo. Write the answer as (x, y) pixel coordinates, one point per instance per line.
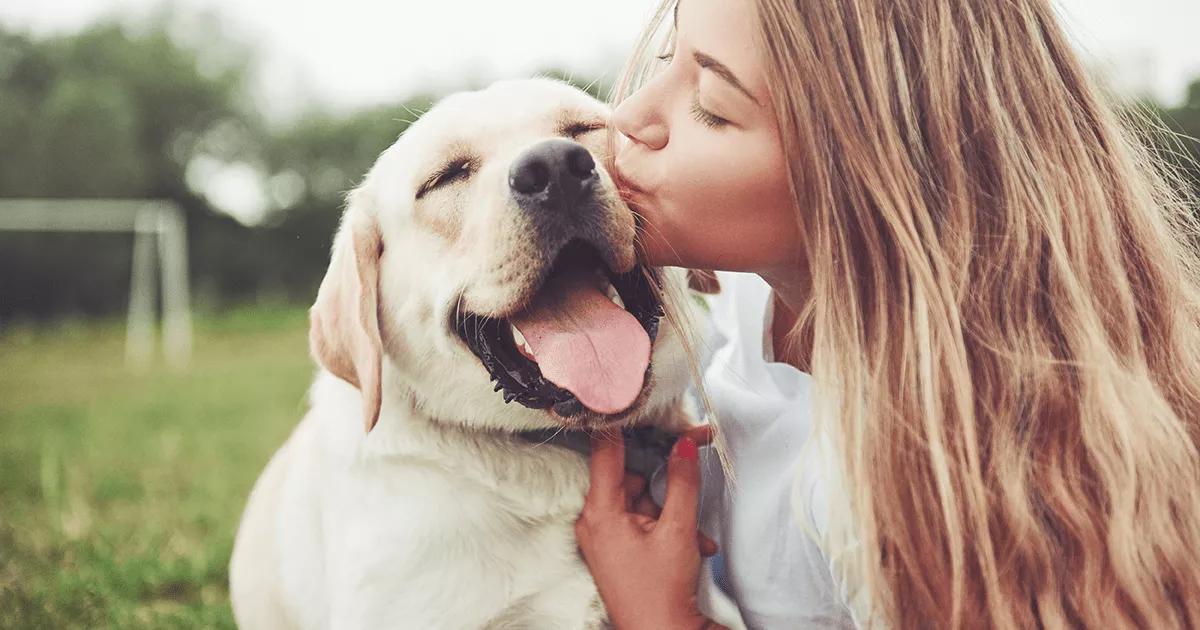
(734, 316)
(736, 290)
(782, 454)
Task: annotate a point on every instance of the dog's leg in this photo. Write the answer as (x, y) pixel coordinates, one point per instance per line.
(254, 568)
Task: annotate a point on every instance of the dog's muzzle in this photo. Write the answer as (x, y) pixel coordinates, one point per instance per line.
(580, 338)
(517, 364)
(553, 177)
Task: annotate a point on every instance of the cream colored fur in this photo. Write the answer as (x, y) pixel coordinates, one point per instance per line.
(438, 517)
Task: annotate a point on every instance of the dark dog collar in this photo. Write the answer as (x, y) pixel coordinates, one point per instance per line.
(646, 448)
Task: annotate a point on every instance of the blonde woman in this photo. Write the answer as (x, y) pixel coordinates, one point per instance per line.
(958, 381)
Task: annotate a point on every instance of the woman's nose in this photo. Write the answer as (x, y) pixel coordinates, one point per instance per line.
(640, 121)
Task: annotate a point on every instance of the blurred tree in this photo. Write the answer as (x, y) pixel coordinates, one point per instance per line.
(116, 111)
(1185, 120)
(1174, 134)
(313, 164)
(103, 113)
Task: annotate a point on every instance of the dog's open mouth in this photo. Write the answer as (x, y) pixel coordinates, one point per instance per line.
(582, 340)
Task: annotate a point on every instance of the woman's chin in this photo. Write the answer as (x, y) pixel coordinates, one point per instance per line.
(664, 241)
(657, 250)
(650, 255)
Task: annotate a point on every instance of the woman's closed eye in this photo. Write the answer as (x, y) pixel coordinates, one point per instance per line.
(705, 117)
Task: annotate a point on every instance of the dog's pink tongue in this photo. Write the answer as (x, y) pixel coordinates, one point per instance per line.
(586, 344)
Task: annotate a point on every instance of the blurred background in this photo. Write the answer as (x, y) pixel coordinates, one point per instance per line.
(126, 452)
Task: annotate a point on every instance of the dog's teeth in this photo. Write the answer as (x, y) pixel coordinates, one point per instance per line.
(518, 338)
(613, 295)
(610, 291)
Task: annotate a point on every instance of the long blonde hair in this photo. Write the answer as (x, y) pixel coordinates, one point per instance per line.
(1005, 313)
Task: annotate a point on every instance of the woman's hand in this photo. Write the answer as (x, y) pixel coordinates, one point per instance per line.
(646, 565)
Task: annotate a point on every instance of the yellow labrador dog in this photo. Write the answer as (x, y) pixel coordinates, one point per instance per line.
(484, 303)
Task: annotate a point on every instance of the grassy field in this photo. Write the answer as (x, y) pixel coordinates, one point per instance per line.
(120, 492)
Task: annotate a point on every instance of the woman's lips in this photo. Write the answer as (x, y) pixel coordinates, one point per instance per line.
(628, 188)
(629, 193)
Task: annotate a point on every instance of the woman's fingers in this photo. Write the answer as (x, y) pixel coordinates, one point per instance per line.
(644, 523)
(635, 486)
(646, 506)
(612, 488)
(683, 485)
(701, 435)
(607, 464)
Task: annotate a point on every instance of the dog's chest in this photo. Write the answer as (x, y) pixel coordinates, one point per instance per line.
(496, 552)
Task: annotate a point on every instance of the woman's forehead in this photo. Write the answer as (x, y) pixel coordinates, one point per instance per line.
(721, 37)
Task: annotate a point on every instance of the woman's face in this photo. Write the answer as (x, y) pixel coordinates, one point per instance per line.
(701, 153)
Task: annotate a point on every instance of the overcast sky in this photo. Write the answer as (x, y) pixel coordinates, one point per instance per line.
(351, 53)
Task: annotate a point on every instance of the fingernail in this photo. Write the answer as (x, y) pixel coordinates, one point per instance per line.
(686, 448)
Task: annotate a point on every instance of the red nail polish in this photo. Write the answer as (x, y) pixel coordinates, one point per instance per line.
(687, 449)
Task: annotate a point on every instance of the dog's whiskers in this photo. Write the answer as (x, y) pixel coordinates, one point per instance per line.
(552, 436)
(415, 115)
(642, 228)
(601, 433)
(593, 83)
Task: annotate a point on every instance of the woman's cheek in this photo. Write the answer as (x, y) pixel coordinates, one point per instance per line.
(690, 231)
(664, 234)
(738, 218)
(724, 204)
(683, 223)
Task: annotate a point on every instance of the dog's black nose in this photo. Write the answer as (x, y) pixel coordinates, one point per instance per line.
(555, 175)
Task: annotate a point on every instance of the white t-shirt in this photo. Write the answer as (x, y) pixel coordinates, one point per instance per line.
(776, 573)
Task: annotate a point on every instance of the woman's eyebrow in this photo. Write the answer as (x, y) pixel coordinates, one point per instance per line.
(724, 72)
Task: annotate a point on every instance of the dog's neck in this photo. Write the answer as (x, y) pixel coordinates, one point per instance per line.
(646, 447)
(407, 429)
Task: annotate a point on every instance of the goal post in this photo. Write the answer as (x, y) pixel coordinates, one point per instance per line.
(158, 228)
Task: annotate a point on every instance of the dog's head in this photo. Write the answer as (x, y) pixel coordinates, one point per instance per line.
(487, 258)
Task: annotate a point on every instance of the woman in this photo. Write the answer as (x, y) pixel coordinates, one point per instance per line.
(989, 282)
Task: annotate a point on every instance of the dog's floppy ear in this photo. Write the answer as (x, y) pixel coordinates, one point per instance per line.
(703, 281)
(343, 331)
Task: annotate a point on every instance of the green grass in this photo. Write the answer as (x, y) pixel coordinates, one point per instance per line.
(120, 491)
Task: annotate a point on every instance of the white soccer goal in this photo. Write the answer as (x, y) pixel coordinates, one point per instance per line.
(151, 221)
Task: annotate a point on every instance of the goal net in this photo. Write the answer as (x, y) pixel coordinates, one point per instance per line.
(160, 240)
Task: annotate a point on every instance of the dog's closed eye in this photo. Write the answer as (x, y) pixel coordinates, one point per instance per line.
(576, 129)
(455, 170)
